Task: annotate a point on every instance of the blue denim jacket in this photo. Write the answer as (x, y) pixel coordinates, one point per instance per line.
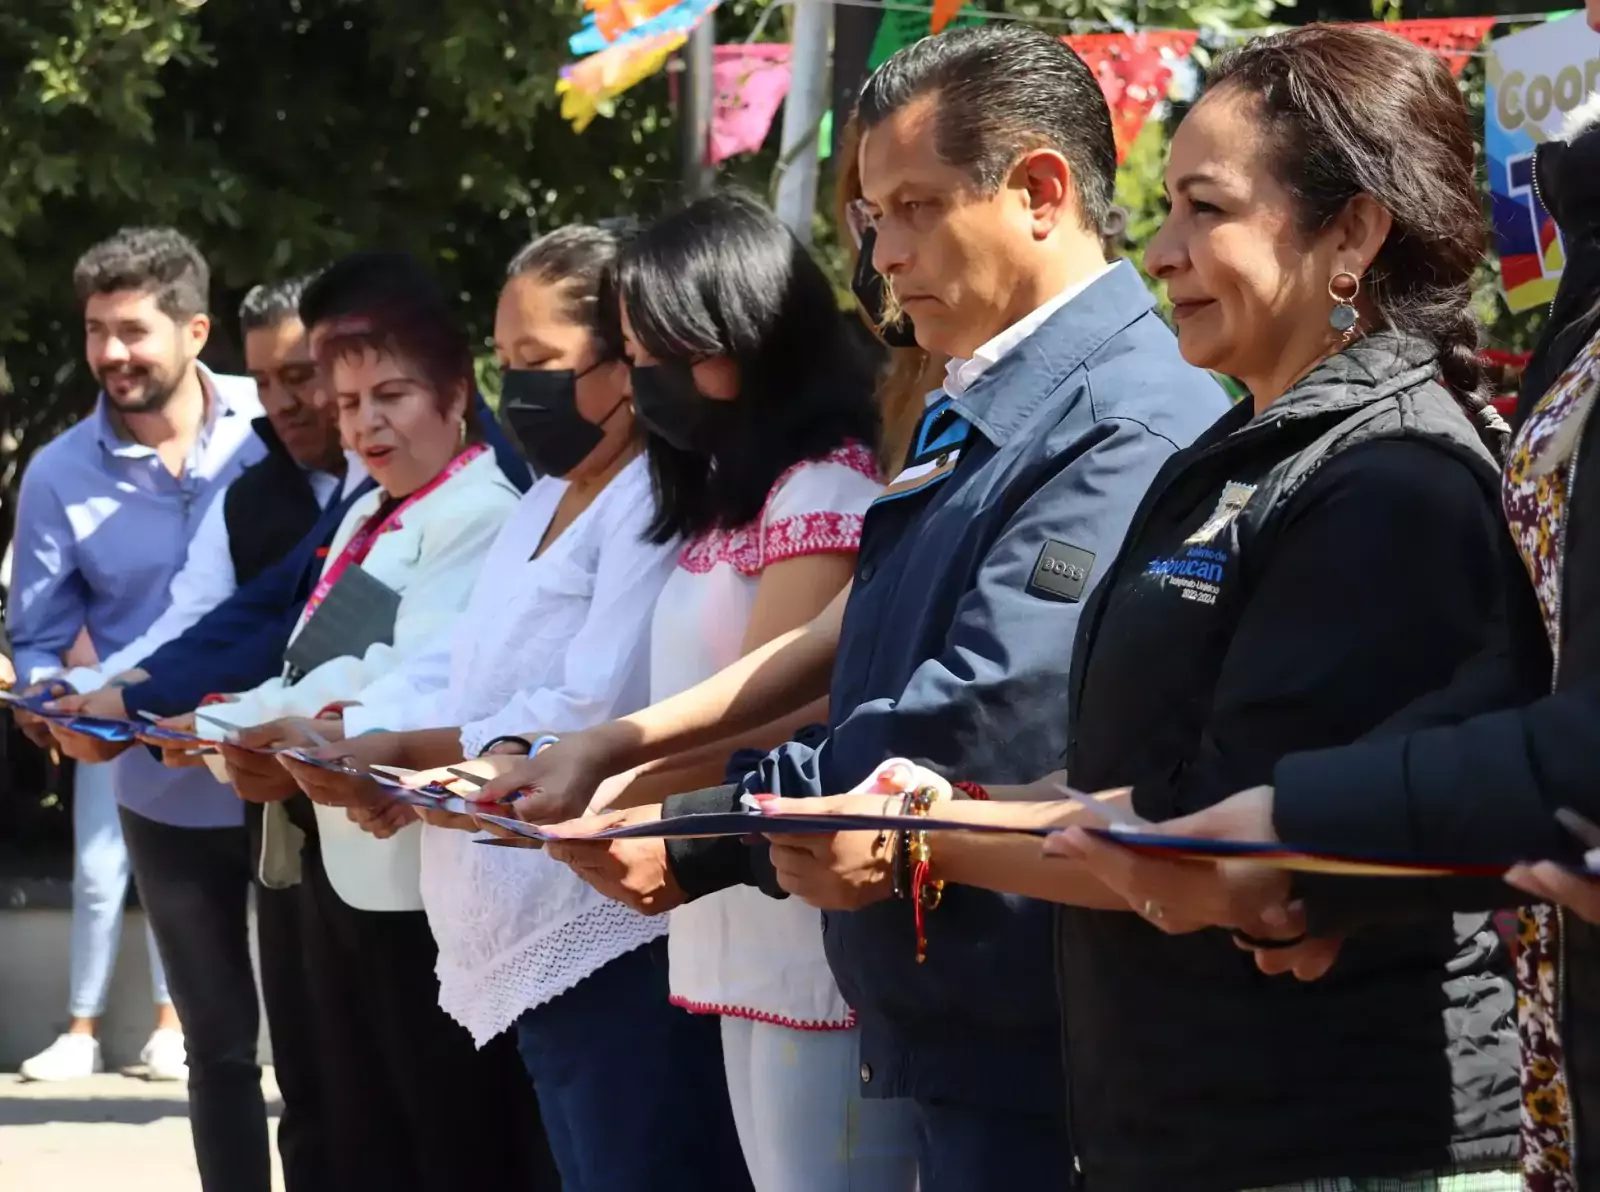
(955, 651)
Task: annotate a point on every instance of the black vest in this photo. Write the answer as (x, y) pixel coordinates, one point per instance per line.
(1153, 1019)
(268, 509)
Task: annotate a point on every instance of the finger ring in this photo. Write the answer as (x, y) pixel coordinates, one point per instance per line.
(1152, 911)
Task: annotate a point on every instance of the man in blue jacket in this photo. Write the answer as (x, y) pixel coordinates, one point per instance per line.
(987, 163)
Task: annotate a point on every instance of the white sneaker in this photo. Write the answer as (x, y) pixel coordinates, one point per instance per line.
(70, 1057)
(165, 1057)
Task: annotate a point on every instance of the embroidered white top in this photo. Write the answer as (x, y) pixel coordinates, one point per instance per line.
(738, 952)
(431, 556)
(553, 644)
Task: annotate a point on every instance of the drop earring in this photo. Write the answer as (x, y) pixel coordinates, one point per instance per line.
(1343, 289)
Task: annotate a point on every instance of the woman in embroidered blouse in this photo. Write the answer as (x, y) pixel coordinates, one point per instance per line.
(763, 418)
(555, 634)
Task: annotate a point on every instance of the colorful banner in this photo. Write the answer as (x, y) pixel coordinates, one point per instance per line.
(1134, 71)
(944, 11)
(751, 81)
(900, 27)
(1452, 38)
(610, 19)
(1535, 78)
(588, 85)
(680, 17)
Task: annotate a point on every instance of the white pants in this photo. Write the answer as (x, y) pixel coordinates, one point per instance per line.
(803, 1124)
(99, 890)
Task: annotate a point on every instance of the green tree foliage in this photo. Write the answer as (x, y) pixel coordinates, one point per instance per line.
(279, 134)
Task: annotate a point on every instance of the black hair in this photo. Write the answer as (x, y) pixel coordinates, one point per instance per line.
(161, 260)
(577, 257)
(373, 278)
(1003, 90)
(723, 276)
(1350, 110)
(270, 303)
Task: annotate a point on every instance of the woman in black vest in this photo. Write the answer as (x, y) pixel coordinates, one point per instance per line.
(1305, 568)
(1480, 771)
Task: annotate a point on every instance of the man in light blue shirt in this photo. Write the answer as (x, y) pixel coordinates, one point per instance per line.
(106, 513)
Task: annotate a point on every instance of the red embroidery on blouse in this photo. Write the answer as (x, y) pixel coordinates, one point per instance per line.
(794, 1024)
(751, 548)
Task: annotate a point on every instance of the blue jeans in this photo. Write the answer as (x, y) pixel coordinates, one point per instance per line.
(99, 891)
(631, 1089)
(962, 1148)
(802, 1120)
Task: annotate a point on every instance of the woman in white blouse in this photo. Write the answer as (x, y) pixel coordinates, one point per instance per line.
(398, 368)
(556, 635)
(423, 533)
(747, 371)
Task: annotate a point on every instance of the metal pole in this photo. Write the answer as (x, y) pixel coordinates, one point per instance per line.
(699, 96)
(802, 115)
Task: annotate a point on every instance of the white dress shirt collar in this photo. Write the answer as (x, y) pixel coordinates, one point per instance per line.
(961, 375)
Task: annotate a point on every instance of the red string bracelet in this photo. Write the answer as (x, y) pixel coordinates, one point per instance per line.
(926, 891)
(972, 791)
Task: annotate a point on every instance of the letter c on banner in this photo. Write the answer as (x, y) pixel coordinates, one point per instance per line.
(1510, 104)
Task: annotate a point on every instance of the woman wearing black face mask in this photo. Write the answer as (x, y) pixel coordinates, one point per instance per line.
(556, 638)
(762, 422)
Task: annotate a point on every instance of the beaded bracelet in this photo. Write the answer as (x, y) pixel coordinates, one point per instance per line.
(972, 791)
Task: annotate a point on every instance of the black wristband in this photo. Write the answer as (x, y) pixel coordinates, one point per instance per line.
(527, 746)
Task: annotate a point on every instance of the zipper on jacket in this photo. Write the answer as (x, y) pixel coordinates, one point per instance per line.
(1538, 196)
(1075, 1177)
(1555, 679)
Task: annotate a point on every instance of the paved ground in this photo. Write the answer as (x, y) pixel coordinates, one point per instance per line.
(105, 1132)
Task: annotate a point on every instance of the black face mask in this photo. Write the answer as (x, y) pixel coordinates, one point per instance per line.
(671, 406)
(539, 410)
(868, 287)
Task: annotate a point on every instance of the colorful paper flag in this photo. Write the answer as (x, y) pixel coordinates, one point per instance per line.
(751, 81)
(1452, 38)
(586, 85)
(675, 18)
(611, 19)
(898, 28)
(1134, 71)
(944, 11)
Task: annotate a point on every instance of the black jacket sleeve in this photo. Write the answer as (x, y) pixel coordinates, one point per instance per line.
(704, 865)
(1363, 600)
(1474, 773)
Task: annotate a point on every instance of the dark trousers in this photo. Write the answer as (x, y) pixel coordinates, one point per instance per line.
(282, 921)
(194, 884)
(964, 1148)
(409, 1104)
(632, 1089)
